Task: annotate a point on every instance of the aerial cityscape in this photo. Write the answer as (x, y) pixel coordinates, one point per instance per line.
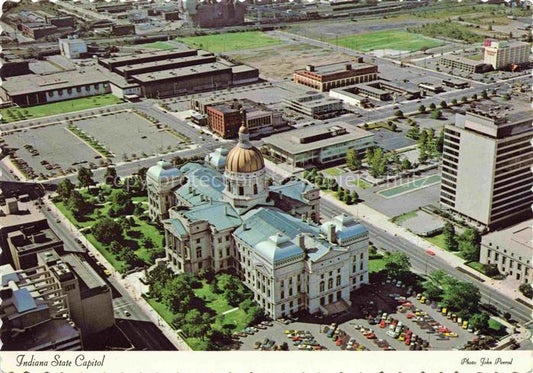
(266, 175)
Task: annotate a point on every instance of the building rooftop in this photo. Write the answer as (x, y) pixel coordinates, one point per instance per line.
(517, 239)
(161, 63)
(466, 61)
(337, 67)
(30, 83)
(202, 184)
(28, 213)
(157, 53)
(28, 239)
(182, 72)
(293, 189)
(87, 276)
(316, 137)
(220, 215)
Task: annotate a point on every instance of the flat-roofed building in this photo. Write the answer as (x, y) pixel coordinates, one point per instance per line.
(325, 77)
(464, 64)
(501, 54)
(318, 144)
(73, 48)
(314, 105)
(132, 59)
(34, 89)
(225, 118)
(26, 243)
(487, 159)
(35, 314)
(89, 297)
(511, 250)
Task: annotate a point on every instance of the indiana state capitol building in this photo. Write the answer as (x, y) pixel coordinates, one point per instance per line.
(231, 220)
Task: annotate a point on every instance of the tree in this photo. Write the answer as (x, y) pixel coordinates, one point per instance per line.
(256, 314)
(121, 203)
(397, 265)
(454, 101)
(177, 295)
(450, 239)
(470, 244)
(484, 94)
(77, 204)
(148, 243)
(432, 106)
(138, 210)
(107, 230)
(527, 290)
(421, 109)
(64, 188)
(463, 298)
(369, 154)
(398, 113)
(480, 321)
(406, 164)
(353, 160)
(115, 247)
(110, 176)
(85, 177)
(284, 346)
(440, 142)
(436, 114)
(196, 324)
(443, 104)
(464, 99)
(423, 155)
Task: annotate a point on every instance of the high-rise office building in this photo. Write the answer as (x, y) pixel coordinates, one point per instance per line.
(486, 168)
(502, 54)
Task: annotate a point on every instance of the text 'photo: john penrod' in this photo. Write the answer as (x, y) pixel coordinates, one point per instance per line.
(265, 175)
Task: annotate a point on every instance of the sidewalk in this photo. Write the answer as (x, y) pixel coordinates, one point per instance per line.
(124, 285)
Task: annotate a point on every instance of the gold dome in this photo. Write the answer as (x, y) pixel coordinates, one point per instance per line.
(241, 159)
(244, 157)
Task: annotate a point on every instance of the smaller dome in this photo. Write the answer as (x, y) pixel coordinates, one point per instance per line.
(217, 159)
(278, 248)
(163, 170)
(243, 130)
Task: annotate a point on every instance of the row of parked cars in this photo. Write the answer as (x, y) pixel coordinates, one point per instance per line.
(304, 340)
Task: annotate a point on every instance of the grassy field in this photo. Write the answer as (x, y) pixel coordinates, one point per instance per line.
(230, 41)
(438, 240)
(376, 265)
(476, 57)
(386, 39)
(16, 114)
(156, 45)
(496, 329)
(361, 184)
(333, 171)
(401, 218)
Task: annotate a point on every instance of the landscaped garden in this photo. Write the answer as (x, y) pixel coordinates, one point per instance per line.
(206, 310)
(15, 114)
(113, 218)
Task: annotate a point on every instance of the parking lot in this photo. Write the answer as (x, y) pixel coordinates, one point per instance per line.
(127, 133)
(54, 145)
(417, 326)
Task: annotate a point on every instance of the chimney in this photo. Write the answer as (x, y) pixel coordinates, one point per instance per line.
(244, 227)
(310, 68)
(12, 206)
(301, 241)
(348, 66)
(225, 210)
(332, 235)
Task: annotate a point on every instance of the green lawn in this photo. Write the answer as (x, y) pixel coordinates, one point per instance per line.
(16, 114)
(161, 309)
(386, 39)
(230, 41)
(475, 57)
(403, 217)
(376, 265)
(156, 45)
(214, 301)
(496, 329)
(239, 318)
(361, 184)
(333, 171)
(438, 240)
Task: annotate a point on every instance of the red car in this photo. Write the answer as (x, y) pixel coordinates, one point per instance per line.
(430, 252)
(382, 324)
(371, 336)
(410, 315)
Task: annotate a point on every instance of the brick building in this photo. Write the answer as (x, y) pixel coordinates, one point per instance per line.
(326, 77)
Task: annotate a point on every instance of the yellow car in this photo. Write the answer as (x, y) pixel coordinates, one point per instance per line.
(444, 310)
(453, 335)
(465, 324)
(423, 299)
(107, 273)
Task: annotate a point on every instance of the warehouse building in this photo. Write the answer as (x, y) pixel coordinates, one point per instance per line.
(35, 89)
(325, 77)
(131, 59)
(318, 145)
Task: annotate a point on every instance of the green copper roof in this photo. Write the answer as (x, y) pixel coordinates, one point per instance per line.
(294, 189)
(163, 169)
(202, 184)
(220, 215)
